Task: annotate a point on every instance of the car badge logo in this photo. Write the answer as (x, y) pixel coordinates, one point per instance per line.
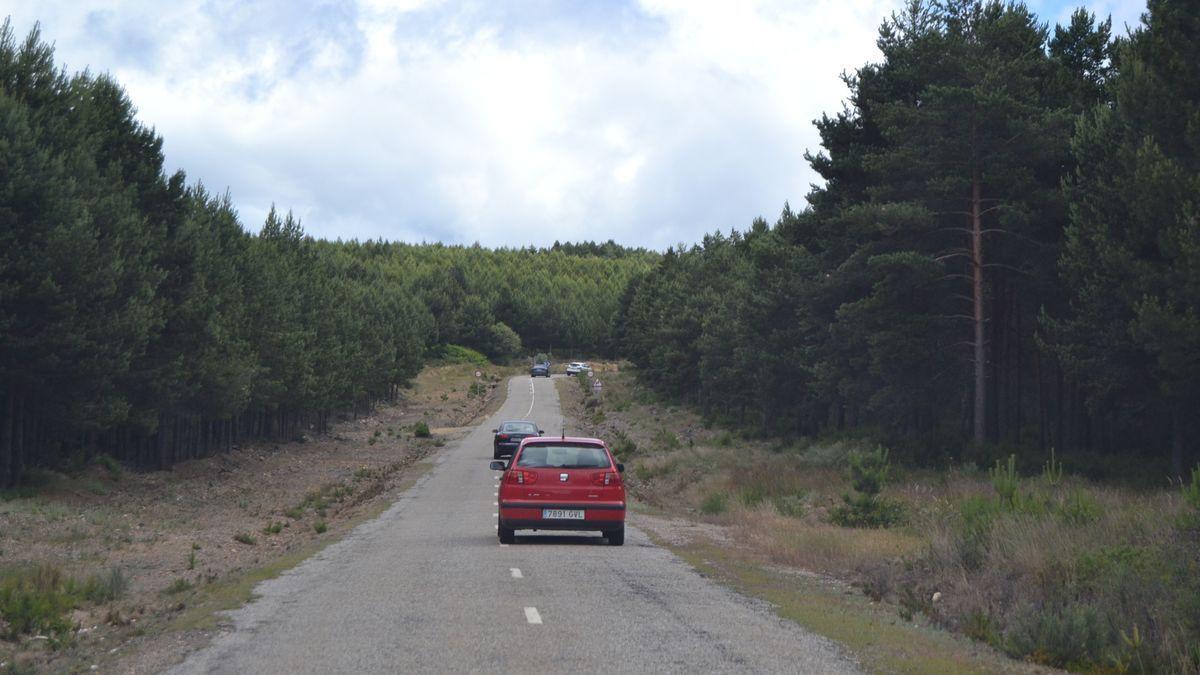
(562, 477)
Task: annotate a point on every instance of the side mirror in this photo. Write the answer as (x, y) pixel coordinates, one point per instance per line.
(495, 430)
(498, 465)
(620, 467)
(540, 432)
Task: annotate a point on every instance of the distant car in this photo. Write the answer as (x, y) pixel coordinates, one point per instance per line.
(561, 484)
(509, 435)
(540, 370)
(578, 367)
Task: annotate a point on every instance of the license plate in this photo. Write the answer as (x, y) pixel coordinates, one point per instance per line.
(562, 514)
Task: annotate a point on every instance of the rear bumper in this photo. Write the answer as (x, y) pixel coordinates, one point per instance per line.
(604, 516)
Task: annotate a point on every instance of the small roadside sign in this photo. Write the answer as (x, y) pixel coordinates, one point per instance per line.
(479, 373)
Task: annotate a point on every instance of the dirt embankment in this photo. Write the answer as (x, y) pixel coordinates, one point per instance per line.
(185, 543)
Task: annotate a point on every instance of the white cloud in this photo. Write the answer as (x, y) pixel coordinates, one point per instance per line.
(649, 123)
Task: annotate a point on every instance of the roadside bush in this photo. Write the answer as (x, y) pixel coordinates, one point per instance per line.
(714, 504)
(1073, 637)
(106, 587)
(458, 354)
(421, 430)
(35, 601)
(665, 439)
(1007, 482)
(1079, 508)
(178, 586)
(791, 506)
(623, 445)
(245, 538)
(866, 508)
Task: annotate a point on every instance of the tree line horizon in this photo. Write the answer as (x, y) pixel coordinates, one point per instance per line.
(1004, 255)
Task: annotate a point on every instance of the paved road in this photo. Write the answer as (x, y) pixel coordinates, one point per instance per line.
(426, 587)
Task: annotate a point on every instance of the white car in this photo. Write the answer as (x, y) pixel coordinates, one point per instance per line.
(575, 367)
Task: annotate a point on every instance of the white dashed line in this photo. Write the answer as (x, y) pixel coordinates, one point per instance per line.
(516, 574)
(532, 616)
(532, 398)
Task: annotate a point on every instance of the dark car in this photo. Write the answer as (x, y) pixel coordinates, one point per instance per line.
(540, 369)
(509, 435)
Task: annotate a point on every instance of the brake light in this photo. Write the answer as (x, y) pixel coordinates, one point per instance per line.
(606, 478)
(522, 477)
(503, 437)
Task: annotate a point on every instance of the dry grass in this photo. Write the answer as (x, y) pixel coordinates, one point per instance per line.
(1074, 575)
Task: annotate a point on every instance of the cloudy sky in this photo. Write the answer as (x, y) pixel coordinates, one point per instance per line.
(508, 123)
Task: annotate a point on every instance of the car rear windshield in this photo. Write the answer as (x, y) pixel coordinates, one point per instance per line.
(519, 428)
(547, 456)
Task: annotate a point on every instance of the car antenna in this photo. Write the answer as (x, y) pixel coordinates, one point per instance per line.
(564, 432)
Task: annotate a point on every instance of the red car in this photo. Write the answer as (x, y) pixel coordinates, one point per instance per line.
(562, 484)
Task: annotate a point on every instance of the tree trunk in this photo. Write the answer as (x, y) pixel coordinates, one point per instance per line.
(6, 436)
(1177, 444)
(980, 422)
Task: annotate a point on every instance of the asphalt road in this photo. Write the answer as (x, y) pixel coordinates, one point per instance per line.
(426, 587)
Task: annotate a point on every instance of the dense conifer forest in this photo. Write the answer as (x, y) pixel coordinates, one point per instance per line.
(139, 317)
(1005, 253)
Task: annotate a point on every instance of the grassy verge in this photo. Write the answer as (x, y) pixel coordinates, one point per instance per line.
(194, 541)
(203, 607)
(1046, 568)
(882, 641)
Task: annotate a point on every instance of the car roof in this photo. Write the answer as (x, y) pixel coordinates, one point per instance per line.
(580, 440)
(518, 422)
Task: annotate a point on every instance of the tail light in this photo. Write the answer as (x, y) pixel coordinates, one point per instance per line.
(522, 477)
(503, 437)
(606, 478)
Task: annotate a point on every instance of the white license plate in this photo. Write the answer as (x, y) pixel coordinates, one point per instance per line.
(562, 514)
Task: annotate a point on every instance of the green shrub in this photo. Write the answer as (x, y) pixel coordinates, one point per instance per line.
(1006, 482)
(459, 354)
(665, 439)
(723, 439)
(112, 466)
(623, 445)
(752, 495)
(421, 430)
(245, 538)
(476, 390)
(105, 587)
(866, 508)
(35, 600)
(178, 586)
(714, 504)
(791, 505)
(1052, 471)
(273, 528)
(320, 527)
(1073, 637)
(1079, 508)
